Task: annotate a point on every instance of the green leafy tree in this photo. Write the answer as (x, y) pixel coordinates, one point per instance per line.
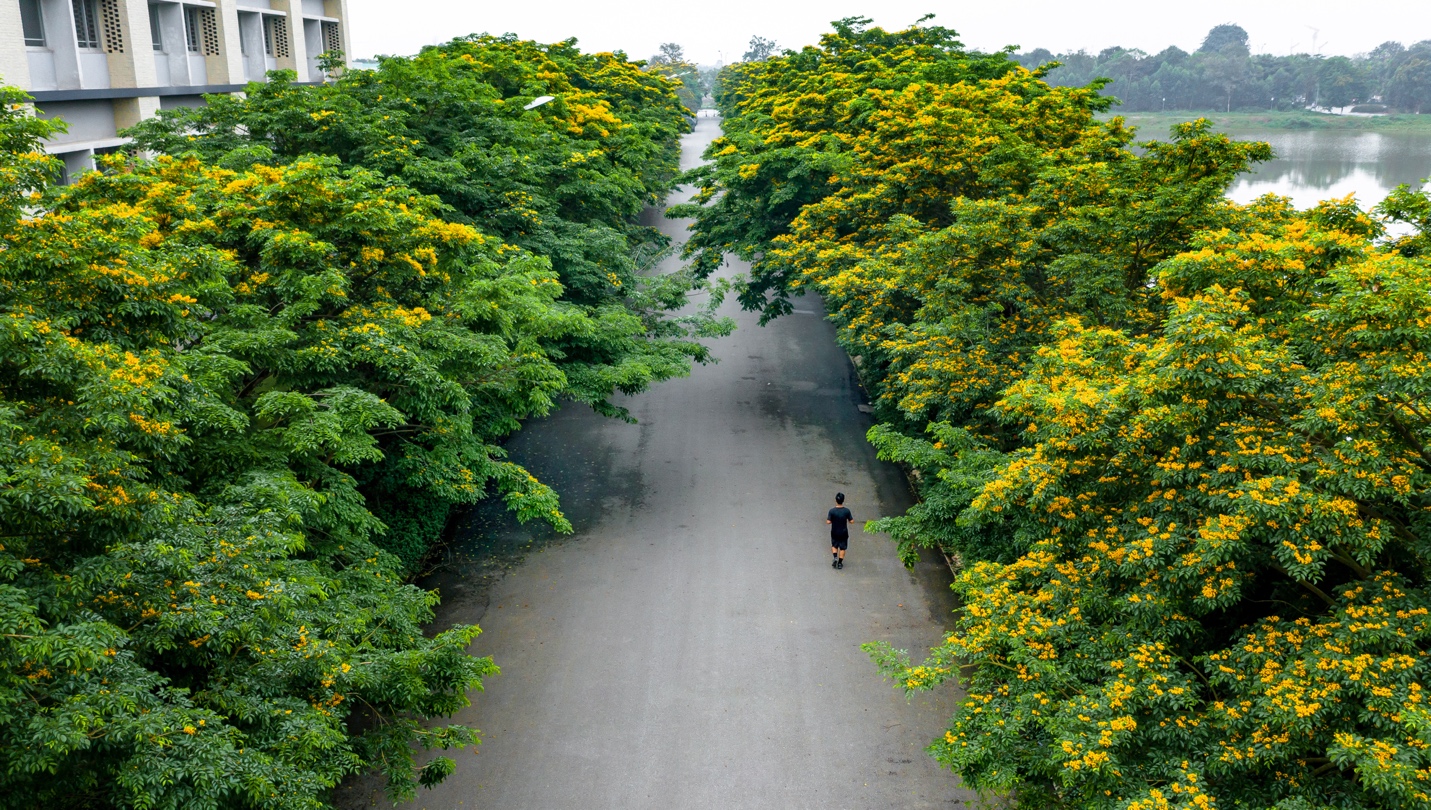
(1223, 75)
(1407, 207)
(1410, 86)
(759, 49)
(1222, 601)
(1176, 442)
(671, 63)
(1227, 69)
(197, 363)
(241, 384)
(1221, 37)
(1342, 82)
(564, 182)
(768, 175)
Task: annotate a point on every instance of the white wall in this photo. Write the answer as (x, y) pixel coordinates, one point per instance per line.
(175, 55)
(251, 32)
(14, 62)
(94, 70)
(88, 120)
(42, 70)
(198, 69)
(136, 66)
(60, 39)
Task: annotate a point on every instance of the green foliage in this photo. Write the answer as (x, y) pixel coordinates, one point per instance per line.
(1179, 444)
(1342, 82)
(1224, 36)
(1224, 75)
(1227, 558)
(1409, 86)
(23, 169)
(561, 181)
(689, 83)
(1407, 207)
(194, 361)
(564, 182)
(789, 123)
(234, 378)
(760, 49)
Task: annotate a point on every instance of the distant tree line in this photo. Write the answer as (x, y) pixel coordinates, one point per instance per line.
(697, 82)
(671, 63)
(1224, 74)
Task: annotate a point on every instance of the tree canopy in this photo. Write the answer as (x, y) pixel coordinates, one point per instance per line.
(241, 384)
(760, 49)
(564, 182)
(1224, 36)
(1223, 74)
(671, 63)
(1177, 443)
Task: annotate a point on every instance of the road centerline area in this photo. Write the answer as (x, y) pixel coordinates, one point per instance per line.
(691, 645)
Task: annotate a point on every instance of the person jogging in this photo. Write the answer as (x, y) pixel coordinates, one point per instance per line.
(839, 519)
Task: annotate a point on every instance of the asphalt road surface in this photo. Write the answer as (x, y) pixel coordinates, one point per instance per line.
(690, 646)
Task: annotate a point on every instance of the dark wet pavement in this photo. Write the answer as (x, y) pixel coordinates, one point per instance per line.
(690, 646)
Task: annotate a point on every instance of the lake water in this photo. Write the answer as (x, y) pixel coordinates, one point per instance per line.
(1315, 165)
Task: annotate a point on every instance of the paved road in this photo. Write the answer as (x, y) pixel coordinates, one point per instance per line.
(690, 646)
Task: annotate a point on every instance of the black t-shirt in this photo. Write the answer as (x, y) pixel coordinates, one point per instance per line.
(840, 518)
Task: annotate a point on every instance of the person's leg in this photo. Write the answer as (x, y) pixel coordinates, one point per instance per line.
(834, 556)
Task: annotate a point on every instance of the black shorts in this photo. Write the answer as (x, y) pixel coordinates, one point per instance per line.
(840, 543)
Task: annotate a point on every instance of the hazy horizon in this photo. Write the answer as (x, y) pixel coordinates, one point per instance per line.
(639, 26)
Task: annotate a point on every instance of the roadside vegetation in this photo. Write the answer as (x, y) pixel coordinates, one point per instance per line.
(1178, 444)
(242, 385)
(690, 81)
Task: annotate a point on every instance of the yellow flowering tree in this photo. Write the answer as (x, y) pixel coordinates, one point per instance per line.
(1223, 599)
(1178, 443)
(564, 182)
(198, 366)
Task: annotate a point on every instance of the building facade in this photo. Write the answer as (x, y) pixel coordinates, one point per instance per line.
(103, 65)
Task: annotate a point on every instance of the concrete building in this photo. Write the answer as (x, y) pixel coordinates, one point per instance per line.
(103, 65)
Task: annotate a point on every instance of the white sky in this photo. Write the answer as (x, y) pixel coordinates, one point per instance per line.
(711, 29)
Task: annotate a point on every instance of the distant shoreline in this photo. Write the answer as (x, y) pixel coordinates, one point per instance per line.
(1156, 124)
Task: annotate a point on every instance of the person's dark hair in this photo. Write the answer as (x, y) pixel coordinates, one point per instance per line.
(839, 497)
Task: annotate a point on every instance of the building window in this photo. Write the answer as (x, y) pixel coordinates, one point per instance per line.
(332, 39)
(202, 25)
(33, 23)
(192, 34)
(275, 36)
(87, 23)
(156, 30)
(113, 24)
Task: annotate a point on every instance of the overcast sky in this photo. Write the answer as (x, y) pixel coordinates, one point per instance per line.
(712, 30)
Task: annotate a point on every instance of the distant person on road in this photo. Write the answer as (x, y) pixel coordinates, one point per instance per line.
(839, 520)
